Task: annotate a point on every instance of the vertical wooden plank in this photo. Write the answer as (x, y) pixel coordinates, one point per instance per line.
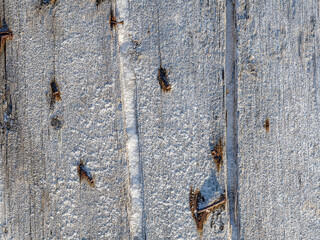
(146, 147)
(277, 54)
(91, 107)
(23, 163)
(232, 121)
(42, 195)
(177, 129)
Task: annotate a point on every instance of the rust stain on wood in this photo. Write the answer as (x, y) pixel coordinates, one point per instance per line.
(163, 80)
(5, 34)
(113, 21)
(84, 173)
(266, 125)
(217, 154)
(195, 198)
(55, 91)
(200, 216)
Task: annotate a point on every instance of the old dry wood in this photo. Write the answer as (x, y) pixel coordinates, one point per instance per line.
(178, 128)
(41, 195)
(278, 79)
(146, 147)
(215, 204)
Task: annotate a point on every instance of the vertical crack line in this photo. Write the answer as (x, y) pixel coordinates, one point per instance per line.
(5, 133)
(129, 100)
(232, 120)
(5, 55)
(54, 33)
(159, 48)
(3, 9)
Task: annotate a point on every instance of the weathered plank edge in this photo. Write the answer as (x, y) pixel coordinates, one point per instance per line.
(232, 121)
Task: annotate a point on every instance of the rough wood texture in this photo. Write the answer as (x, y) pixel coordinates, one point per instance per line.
(231, 65)
(178, 129)
(278, 77)
(42, 197)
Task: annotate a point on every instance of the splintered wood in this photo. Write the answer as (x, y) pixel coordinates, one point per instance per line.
(200, 216)
(216, 204)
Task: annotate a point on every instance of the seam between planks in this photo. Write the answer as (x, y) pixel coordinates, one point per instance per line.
(232, 121)
(128, 95)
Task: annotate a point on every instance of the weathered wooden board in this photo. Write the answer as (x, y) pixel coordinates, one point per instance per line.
(145, 147)
(177, 129)
(278, 78)
(42, 197)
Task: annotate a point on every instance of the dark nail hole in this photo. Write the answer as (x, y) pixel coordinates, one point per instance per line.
(56, 123)
(98, 2)
(221, 227)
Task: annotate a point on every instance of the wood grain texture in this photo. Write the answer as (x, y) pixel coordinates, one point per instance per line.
(278, 76)
(42, 197)
(177, 129)
(146, 147)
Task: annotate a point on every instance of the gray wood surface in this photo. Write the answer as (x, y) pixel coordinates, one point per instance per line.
(41, 194)
(178, 128)
(278, 78)
(231, 65)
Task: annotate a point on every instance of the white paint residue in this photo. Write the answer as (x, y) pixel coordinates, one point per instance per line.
(128, 96)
